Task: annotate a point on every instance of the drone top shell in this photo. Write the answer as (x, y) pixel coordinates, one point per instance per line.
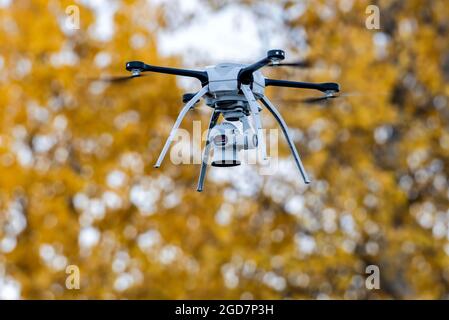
(223, 79)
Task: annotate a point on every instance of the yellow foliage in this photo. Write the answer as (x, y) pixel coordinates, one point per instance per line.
(379, 162)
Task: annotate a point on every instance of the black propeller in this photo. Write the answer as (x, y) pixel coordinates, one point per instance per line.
(322, 99)
(298, 64)
(116, 79)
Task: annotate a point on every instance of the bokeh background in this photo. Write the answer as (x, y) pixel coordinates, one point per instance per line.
(78, 187)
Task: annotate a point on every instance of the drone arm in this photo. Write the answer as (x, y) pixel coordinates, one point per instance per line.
(273, 56)
(246, 73)
(257, 119)
(323, 87)
(204, 163)
(284, 128)
(143, 67)
(181, 116)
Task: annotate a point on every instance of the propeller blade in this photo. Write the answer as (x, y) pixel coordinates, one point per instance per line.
(306, 100)
(298, 64)
(326, 98)
(315, 100)
(116, 79)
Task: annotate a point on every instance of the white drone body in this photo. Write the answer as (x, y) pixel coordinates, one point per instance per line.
(226, 97)
(224, 79)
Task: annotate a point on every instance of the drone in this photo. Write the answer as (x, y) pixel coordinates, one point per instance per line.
(234, 91)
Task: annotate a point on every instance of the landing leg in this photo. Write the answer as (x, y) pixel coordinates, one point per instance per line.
(212, 123)
(258, 122)
(284, 128)
(181, 116)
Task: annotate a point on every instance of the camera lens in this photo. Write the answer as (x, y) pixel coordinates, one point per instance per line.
(220, 140)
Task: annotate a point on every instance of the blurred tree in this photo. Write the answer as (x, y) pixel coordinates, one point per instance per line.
(77, 185)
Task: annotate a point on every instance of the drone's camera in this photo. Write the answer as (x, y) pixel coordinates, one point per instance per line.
(226, 142)
(220, 140)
